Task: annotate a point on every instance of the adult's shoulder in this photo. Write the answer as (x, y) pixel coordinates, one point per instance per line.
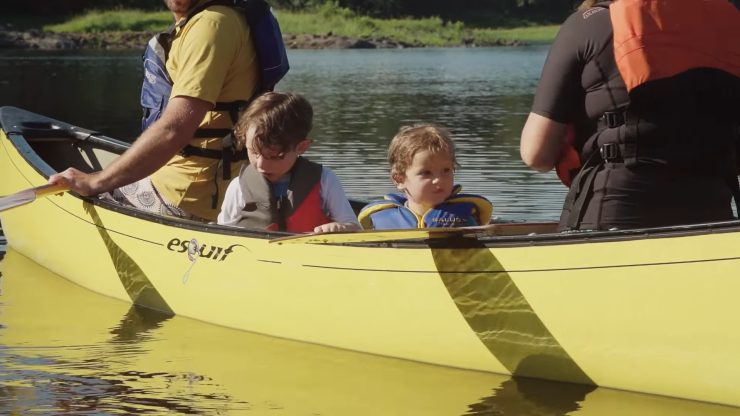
(220, 11)
(220, 17)
(583, 22)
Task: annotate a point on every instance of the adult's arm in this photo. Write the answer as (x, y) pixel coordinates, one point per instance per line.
(152, 150)
(541, 142)
(559, 99)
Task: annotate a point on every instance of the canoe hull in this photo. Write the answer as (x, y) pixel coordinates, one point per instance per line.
(652, 312)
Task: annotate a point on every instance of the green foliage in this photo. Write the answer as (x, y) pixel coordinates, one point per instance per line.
(430, 31)
(376, 8)
(329, 17)
(537, 10)
(527, 34)
(121, 20)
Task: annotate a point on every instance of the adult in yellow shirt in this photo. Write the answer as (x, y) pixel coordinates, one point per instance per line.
(211, 60)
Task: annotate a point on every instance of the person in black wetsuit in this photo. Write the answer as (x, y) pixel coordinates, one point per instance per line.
(677, 165)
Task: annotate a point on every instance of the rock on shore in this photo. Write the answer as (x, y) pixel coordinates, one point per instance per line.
(36, 39)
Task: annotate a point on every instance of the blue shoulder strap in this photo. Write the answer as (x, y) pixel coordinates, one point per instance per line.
(268, 41)
(389, 213)
(269, 46)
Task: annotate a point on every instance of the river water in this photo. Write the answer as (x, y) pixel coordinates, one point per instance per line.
(64, 350)
(360, 99)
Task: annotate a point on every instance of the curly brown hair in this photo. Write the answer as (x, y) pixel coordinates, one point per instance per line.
(281, 120)
(412, 139)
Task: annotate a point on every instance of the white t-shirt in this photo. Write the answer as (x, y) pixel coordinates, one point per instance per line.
(334, 203)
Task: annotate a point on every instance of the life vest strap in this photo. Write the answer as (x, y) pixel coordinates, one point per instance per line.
(203, 133)
(611, 119)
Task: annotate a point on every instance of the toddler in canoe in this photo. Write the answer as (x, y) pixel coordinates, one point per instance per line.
(422, 162)
(279, 189)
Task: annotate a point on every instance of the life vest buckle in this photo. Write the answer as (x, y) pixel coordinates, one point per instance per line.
(610, 152)
(612, 119)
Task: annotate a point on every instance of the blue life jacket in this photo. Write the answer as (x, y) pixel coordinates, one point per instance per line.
(271, 56)
(459, 210)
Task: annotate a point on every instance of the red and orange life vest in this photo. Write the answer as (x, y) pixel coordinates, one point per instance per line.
(300, 210)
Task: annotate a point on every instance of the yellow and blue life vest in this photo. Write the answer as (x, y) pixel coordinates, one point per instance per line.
(459, 210)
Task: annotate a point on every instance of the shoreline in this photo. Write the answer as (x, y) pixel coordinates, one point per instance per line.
(40, 40)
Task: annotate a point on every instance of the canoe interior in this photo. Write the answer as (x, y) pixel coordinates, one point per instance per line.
(60, 145)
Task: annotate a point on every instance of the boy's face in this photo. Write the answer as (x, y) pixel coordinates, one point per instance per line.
(273, 164)
(428, 181)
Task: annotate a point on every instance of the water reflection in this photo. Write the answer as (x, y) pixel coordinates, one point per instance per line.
(361, 98)
(66, 350)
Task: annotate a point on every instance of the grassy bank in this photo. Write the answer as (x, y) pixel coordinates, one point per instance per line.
(328, 19)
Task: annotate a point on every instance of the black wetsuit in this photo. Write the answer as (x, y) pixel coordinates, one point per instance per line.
(684, 160)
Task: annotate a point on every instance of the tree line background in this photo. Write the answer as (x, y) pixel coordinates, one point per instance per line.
(485, 12)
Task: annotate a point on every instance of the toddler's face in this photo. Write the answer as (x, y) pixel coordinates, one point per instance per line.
(273, 164)
(428, 181)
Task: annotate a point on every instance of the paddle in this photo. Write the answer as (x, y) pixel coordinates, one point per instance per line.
(27, 196)
(370, 236)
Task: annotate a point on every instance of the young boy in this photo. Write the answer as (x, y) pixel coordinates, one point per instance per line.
(422, 160)
(280, 190)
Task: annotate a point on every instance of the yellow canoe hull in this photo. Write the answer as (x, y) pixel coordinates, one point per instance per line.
(176, 360)
(652, 312)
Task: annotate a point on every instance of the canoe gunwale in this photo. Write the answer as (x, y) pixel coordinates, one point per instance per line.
(23, 127)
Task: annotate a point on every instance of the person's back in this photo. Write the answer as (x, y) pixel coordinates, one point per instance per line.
(422, 162)
(664, 154)
(279, 189)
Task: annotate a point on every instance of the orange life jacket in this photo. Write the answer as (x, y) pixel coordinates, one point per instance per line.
(656, 39)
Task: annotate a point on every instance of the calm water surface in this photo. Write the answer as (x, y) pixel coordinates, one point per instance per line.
(64, 350)
(360, 97)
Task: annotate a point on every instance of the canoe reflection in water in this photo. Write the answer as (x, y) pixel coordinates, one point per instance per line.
(68, 350)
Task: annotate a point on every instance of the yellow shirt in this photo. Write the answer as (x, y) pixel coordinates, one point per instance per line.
(213, 59)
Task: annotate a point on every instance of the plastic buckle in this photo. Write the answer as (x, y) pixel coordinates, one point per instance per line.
(613, 119)
(609, 152)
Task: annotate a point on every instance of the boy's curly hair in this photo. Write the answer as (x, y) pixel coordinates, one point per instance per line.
(412, 139)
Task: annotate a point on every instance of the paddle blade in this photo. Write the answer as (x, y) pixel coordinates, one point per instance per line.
(29, 195)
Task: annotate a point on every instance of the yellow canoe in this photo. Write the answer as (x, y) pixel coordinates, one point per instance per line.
(125, 359)
(650, 311)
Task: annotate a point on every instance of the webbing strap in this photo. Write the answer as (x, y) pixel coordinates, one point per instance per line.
(735, 189)
(579, 191)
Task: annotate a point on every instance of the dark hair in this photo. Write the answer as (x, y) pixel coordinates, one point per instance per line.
(281, 120)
